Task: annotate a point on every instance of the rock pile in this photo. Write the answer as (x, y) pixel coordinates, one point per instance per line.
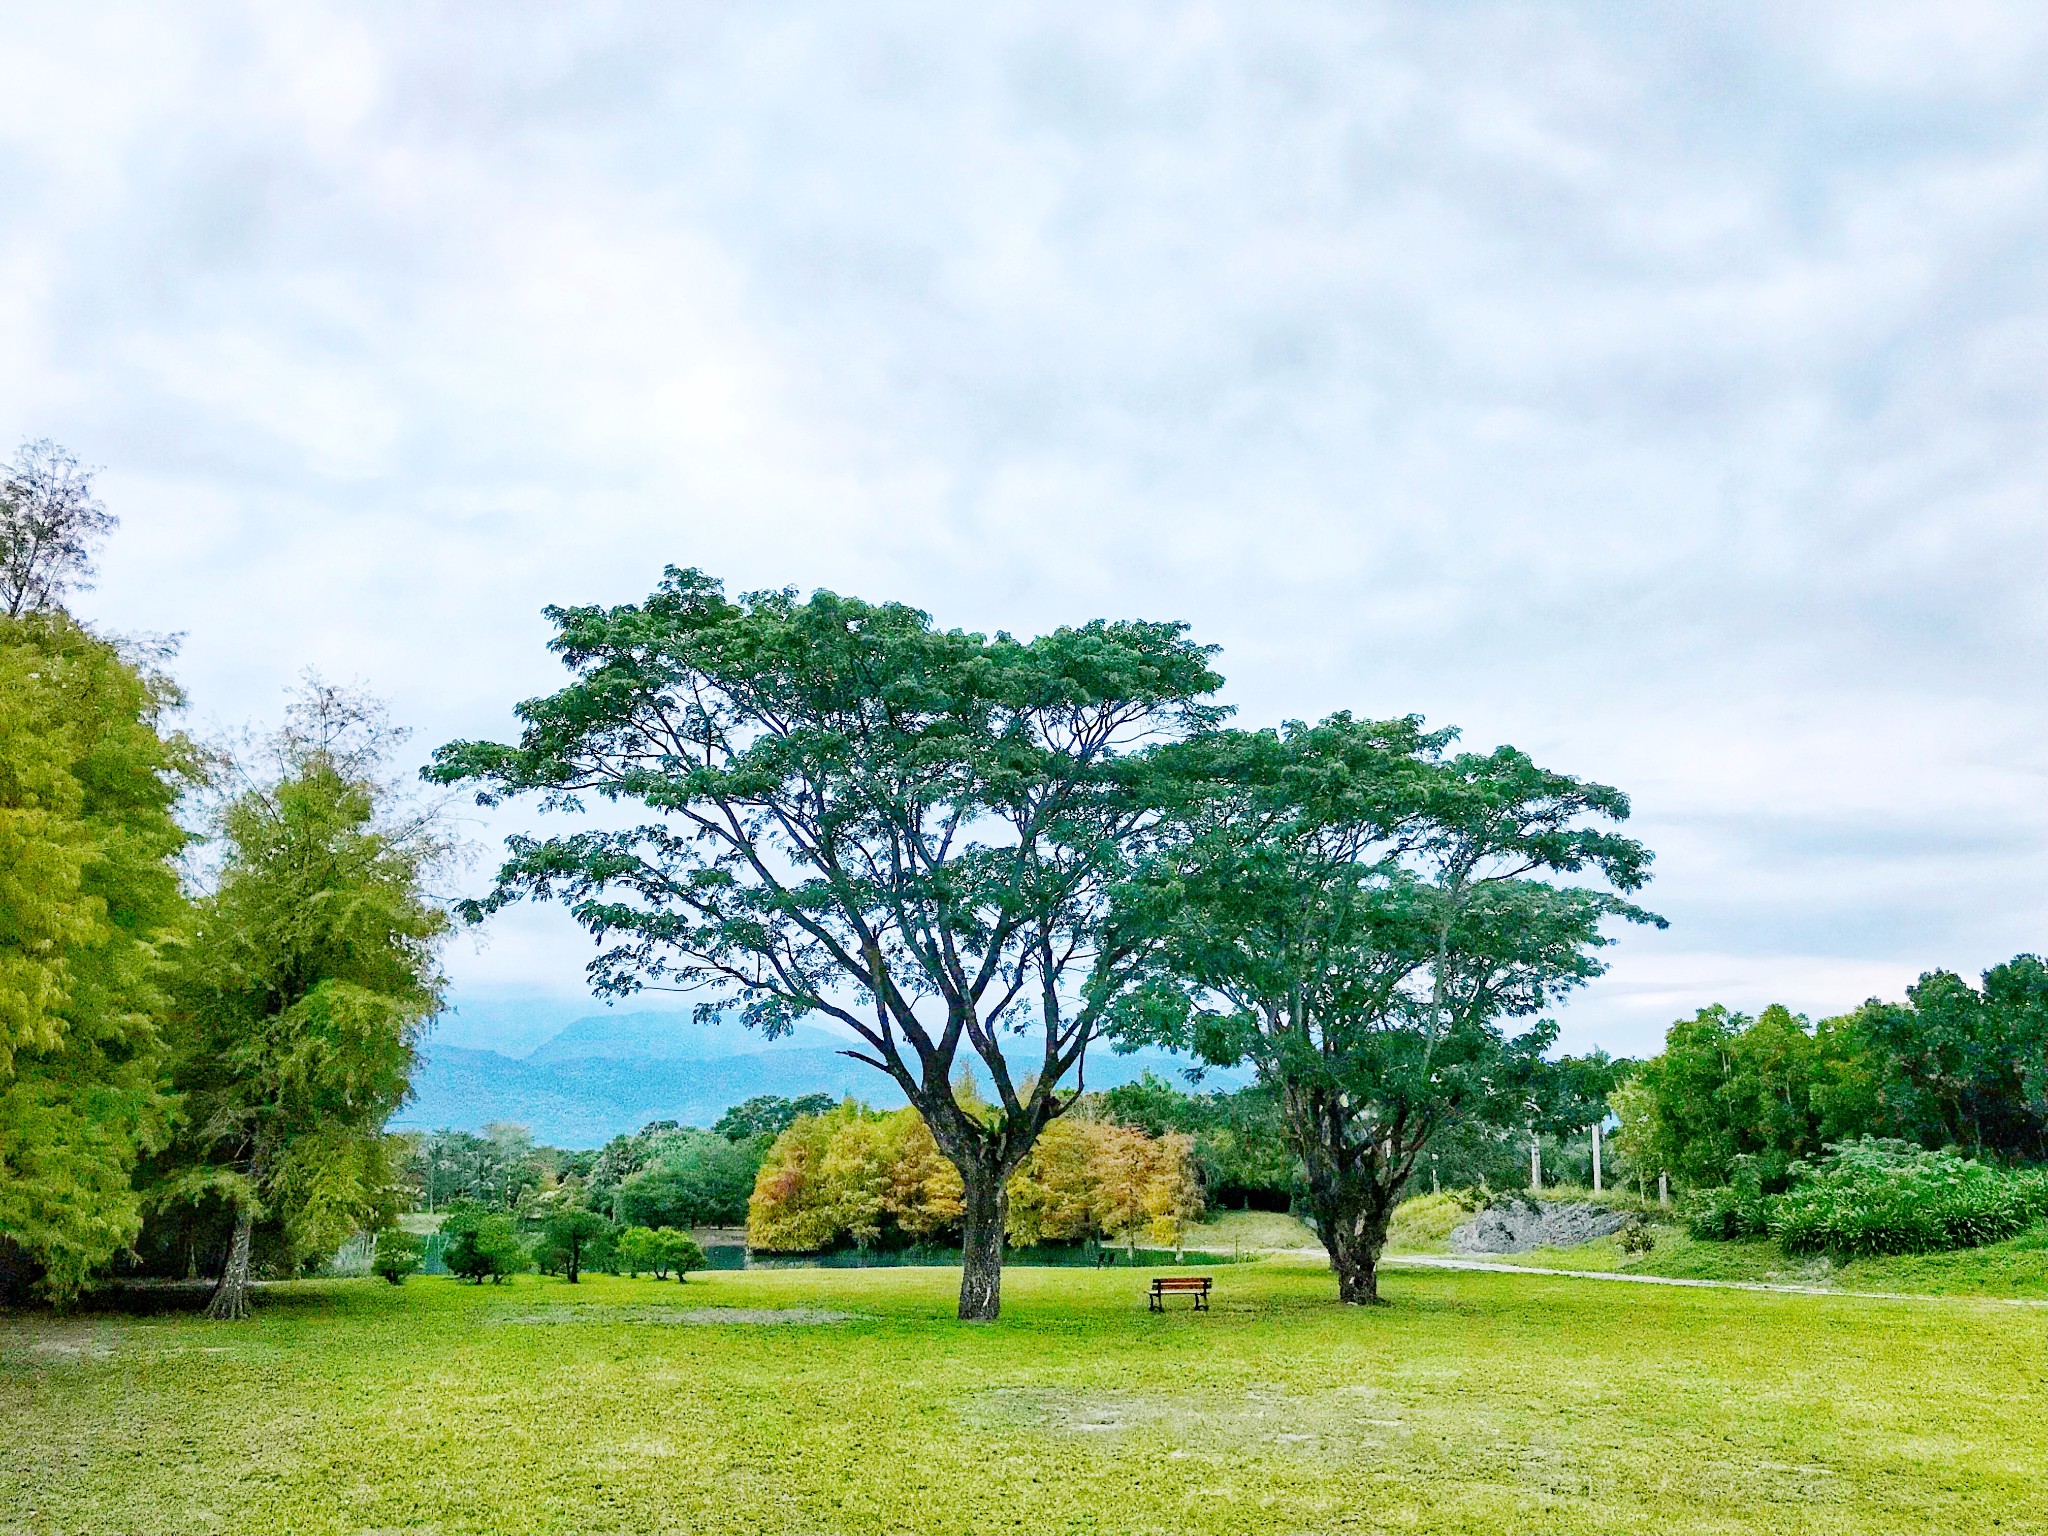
(1516, 1224)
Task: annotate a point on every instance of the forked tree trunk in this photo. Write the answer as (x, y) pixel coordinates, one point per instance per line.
(986, 1199)
(231, 1296)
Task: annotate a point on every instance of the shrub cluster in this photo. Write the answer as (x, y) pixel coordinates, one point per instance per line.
(482, 1243)
(658, 1252)
(398, 1254)
(1872, 1197)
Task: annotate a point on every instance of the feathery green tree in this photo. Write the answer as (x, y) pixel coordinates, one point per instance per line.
(310, 975)
(89, 897)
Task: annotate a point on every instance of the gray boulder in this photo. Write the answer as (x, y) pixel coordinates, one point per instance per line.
(1517, 1224)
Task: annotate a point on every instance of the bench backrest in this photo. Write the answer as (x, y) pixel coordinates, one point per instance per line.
(1181, 1283)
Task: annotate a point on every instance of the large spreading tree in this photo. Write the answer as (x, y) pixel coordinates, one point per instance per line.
(1359, 912)
(309, 977)
(910, 830)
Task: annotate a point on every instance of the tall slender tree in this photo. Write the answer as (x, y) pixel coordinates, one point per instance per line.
(909, 830)
(89, 901)
(1355, 911)
(309, 977)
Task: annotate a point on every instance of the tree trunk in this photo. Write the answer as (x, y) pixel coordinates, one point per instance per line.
(981, 1244)
(231, 1295)
(1352, 1223)
(1355, 1256)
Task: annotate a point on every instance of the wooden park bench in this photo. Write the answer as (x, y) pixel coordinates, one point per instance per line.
(1196, 1286)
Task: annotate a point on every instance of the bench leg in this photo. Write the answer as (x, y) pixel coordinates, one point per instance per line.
(1201, 1301)
(1152, 1303)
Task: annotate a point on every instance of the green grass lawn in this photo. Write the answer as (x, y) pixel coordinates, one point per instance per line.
(1472, 1403)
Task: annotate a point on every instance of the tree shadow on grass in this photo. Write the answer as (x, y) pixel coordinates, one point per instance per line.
(170, 1298)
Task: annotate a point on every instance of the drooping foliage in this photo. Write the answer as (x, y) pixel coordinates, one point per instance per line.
(89, 901)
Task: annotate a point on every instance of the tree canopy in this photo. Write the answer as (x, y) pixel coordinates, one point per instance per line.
(50, 525)
(911, 830)
(1355, 910)
(1952, 1065)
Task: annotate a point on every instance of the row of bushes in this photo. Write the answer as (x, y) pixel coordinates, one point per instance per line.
(480, 1244)
(1874, 1197)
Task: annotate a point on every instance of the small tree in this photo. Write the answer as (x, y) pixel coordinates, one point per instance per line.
(50, 524)
(677, 1251)
(481, 1243)
(399, 1254)
(570, 1233)
(637, 1251)
(856, 814)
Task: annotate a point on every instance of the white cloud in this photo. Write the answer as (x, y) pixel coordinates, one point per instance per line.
(1658, 389)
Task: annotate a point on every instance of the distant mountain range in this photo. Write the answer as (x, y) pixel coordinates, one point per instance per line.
(609, 1074)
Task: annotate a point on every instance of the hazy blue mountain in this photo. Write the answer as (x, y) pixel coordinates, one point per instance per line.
(568, 1099)
(668, 1037)
(586, 1101)
(508, 1020)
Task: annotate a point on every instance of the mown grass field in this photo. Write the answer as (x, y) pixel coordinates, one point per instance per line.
(1472, 1403)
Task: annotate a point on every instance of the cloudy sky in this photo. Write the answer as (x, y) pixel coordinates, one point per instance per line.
(1659, 388)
